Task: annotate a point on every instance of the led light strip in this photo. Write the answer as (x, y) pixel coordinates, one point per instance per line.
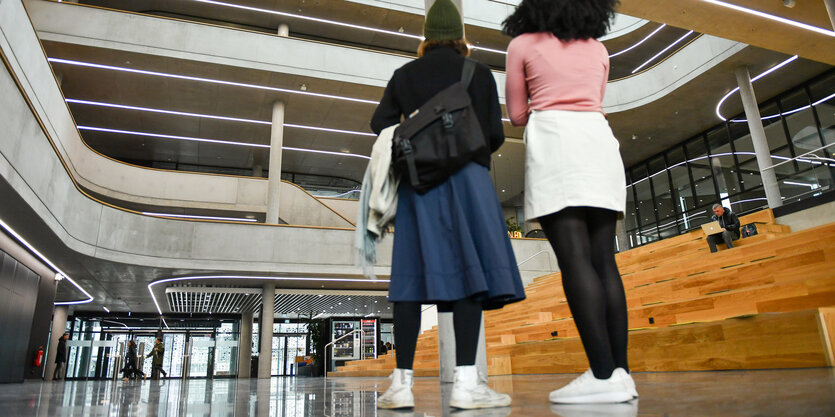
(243, 277)
(639, 42)
(662, 51)
(783, 158)
(51, 265)
(808, 106)
(769, 71)
(187, 216)
(220, 142)
(209, 116)
(772, 17)
(206, 80)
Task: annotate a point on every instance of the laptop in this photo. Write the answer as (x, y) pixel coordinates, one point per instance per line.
(712, 228)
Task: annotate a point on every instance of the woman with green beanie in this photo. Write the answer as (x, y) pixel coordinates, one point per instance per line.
(450, 244)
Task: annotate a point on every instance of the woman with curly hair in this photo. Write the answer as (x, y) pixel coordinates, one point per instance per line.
(574, 176)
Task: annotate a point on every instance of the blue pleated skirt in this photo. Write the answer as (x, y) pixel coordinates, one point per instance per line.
(451, 243)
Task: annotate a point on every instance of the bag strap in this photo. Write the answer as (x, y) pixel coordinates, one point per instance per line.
(467, 72)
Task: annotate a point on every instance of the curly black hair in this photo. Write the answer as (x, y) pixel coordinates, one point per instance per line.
(566, 19)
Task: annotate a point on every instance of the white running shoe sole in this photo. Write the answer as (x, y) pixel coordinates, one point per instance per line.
(599, 398)
(395, 406)
(466, 405)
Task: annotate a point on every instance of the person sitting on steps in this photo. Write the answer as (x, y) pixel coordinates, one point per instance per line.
(729, 223)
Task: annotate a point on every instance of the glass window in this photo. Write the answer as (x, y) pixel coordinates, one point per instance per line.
(824, 102)
(664, 206)
(646, 212)
(630, 218)
(723, 163)
(749, 201)
(683, 196)
(775, 135)
(699, 164)
(801, 122)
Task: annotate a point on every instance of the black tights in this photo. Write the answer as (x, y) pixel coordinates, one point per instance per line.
(583, 239)
(466, 318)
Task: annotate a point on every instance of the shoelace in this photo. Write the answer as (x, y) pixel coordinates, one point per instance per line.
(581, 379)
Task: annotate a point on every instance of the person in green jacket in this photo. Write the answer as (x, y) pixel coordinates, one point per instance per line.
(157, 353)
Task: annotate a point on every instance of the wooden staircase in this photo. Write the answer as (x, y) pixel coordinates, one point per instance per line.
(764, 304)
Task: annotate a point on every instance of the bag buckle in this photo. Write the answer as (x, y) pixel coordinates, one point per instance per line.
(448, 122)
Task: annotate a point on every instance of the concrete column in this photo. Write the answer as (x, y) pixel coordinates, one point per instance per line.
(446, 348)
(830, 7)
(266, 328)
(755, 125)
(283, 30)
(245, 346)
(276, 142)
(621, 236)
(59, 325)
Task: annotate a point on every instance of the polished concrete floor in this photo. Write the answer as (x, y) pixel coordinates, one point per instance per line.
(807, 393)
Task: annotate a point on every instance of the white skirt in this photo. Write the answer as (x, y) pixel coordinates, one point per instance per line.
(572, 159)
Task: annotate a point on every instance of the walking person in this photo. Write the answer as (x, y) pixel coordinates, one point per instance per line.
(574, 177)
(450, 243)
(131, 370)
(157, 353)
(61, 358)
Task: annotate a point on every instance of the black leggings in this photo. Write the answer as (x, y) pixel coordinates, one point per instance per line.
(466, 318)
(584, 240)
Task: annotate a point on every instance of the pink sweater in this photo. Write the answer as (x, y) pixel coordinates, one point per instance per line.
(554, 75)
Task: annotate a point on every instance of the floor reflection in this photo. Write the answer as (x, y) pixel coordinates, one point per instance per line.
(806, 393)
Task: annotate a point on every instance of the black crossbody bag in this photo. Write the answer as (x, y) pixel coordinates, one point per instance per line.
(440, 137)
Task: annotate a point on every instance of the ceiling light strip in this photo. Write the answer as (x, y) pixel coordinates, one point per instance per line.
(32, 249)
(639, 42)
(187, 216)
(662, 51)
(772, 17)
(769, 71)
(312, 19)
(209, 116)
(206, 80)
(785, 113)
(220, 142)
(243, 277)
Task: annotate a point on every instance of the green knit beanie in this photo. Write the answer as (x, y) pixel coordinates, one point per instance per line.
(443, 22)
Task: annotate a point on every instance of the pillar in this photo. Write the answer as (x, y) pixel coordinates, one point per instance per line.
(283, 30)
(245, 346)
(621, 236)
(755, 125)
(59, 326)
(266, 328)
(276, 142)
(830, 7)
(446, 348)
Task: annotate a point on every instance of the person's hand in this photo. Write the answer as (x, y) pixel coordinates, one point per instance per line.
(724, 230)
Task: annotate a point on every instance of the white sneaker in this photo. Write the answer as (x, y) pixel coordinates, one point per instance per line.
(399, 394)
(587, 389)
(626, 379)
(469, 391)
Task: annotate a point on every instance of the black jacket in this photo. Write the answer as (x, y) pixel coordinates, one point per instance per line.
(728, 220)
(61, 351)
(415, 83)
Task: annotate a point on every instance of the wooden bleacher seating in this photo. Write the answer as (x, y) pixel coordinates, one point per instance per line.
(765, 304)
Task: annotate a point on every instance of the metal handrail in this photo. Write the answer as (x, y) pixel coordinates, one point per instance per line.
(802, 156)
(362, 343)
(531, 257)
